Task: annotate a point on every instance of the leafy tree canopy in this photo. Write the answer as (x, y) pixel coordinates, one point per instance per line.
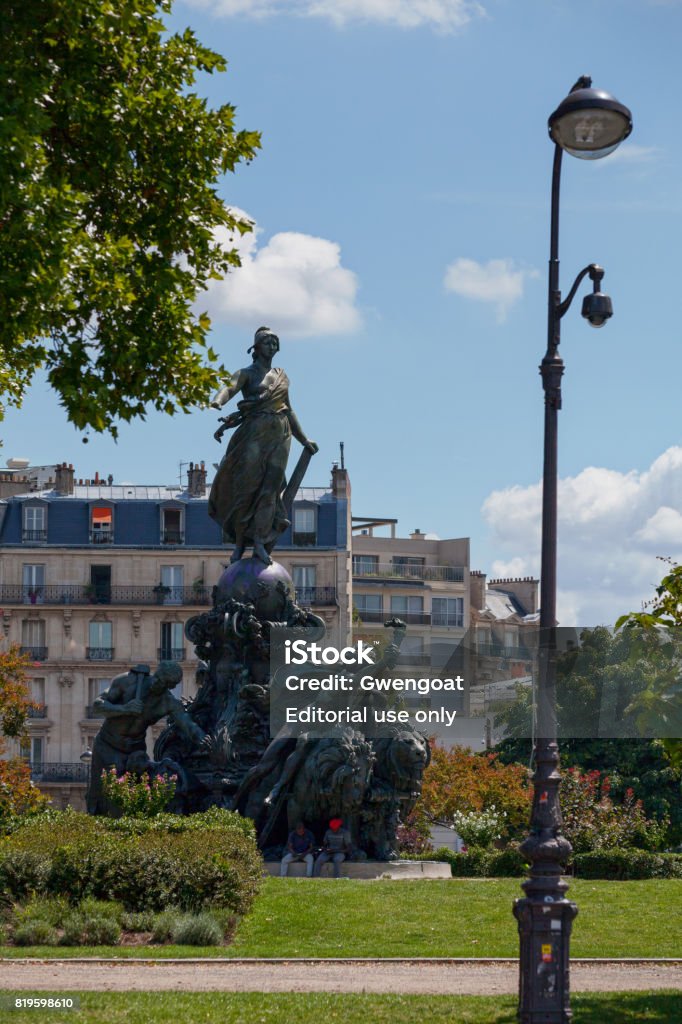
(18, 795)
(108, 205)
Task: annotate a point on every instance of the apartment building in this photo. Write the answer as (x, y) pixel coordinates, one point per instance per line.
(96, 577)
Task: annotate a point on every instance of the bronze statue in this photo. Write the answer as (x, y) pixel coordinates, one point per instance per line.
(247, 496)
(133, 701)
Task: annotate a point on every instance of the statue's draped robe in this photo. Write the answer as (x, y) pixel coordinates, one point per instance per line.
(246, 496)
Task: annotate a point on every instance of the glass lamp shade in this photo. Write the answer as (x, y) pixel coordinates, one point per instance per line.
(590, 124)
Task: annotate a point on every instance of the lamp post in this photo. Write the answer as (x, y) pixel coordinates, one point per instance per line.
(590, 124)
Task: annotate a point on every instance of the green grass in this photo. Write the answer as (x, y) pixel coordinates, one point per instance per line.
(461, 917)
(317, 1007)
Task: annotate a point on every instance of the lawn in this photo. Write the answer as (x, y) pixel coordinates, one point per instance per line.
(314, 1007)
(461, 917)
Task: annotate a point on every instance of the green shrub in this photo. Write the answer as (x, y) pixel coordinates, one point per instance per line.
(35, 933)
(509, 863)
(164, 924)
(197, 930)
(53, 909)
(79, 930)
(627, 864)
(192, 862)
(226, 920)
(138, 921)
(91, 907)
(23, 872)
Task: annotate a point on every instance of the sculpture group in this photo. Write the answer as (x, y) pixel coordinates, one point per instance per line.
(219, 744)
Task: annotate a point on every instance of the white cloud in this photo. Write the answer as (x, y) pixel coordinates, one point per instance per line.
(630, 153)
(443, 15)
(611, 528)
(498, 282)
(295, 282)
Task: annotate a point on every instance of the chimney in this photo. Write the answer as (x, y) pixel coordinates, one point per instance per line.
(196, 480)
(477, 590)
(64, 479)
(340, 482)
(417, 535)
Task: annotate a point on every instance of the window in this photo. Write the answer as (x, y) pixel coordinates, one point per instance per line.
(35, 523)
(407, 605)
(365, 565)
(99, 589)
(100, 641)
(172, 642)
(33, 583)
(172, 526)
(511, 637)
(305, 578)
(96, 688)
(32, 750)
(33, 639)
(305, 529)
(172, 584)
(37, 686)
(102, 525)
(447, 611)
(369, 606)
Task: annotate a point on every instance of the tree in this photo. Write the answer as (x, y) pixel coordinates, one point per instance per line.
(108, 207)
(18, 795)
(660, 619)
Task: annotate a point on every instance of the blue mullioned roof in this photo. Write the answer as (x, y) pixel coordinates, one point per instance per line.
(137, 520)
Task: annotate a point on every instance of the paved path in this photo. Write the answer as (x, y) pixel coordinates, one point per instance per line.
(438, 978)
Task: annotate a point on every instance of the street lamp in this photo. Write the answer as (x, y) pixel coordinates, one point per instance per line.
(589, 124)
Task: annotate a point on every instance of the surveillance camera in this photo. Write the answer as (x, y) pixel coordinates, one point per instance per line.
(597, 308)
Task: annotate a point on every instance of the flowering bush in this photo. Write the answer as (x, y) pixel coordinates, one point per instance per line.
(479, 828)
(413, 838)
(138, 796)
(593, 822)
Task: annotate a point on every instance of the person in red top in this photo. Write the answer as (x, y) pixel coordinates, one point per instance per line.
(336, 845)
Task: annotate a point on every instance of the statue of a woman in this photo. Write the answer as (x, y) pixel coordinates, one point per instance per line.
(246, 496)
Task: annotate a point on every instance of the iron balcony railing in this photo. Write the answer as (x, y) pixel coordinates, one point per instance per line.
(54, 771)
(410, 618)
(170, 653)
(89, 593)
(172, 537)
(36, 653)
(494, 650)
(99, 653)
(38, 711)
(316, 595)
(450, 621)
(396, 570)
(101, 536)
(92, 712)
(33, 536)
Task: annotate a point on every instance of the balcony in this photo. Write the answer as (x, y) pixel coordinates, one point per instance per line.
(99, 653)
(174, 537)
(101, 536)
(88, 593)
(38, 711)
(305, 540)
(410, 618)
(34, 536)
(448, 621)
(170, 653)
(496, 650)
(35, 653)
(54, 771)
(421, 573)
(316, 595)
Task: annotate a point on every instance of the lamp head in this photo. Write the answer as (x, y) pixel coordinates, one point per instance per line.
(589, 123)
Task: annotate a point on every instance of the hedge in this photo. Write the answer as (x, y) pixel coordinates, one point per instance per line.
(616, 864)
(192, 862)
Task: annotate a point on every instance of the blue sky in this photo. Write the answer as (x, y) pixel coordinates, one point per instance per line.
(402, 206)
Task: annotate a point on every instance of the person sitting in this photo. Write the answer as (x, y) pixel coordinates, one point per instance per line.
(336, 846)
(299, 847)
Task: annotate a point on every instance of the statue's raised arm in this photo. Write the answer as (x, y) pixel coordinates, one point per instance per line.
(247, 492)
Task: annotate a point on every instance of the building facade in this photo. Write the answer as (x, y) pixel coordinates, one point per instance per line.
(97, 577)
